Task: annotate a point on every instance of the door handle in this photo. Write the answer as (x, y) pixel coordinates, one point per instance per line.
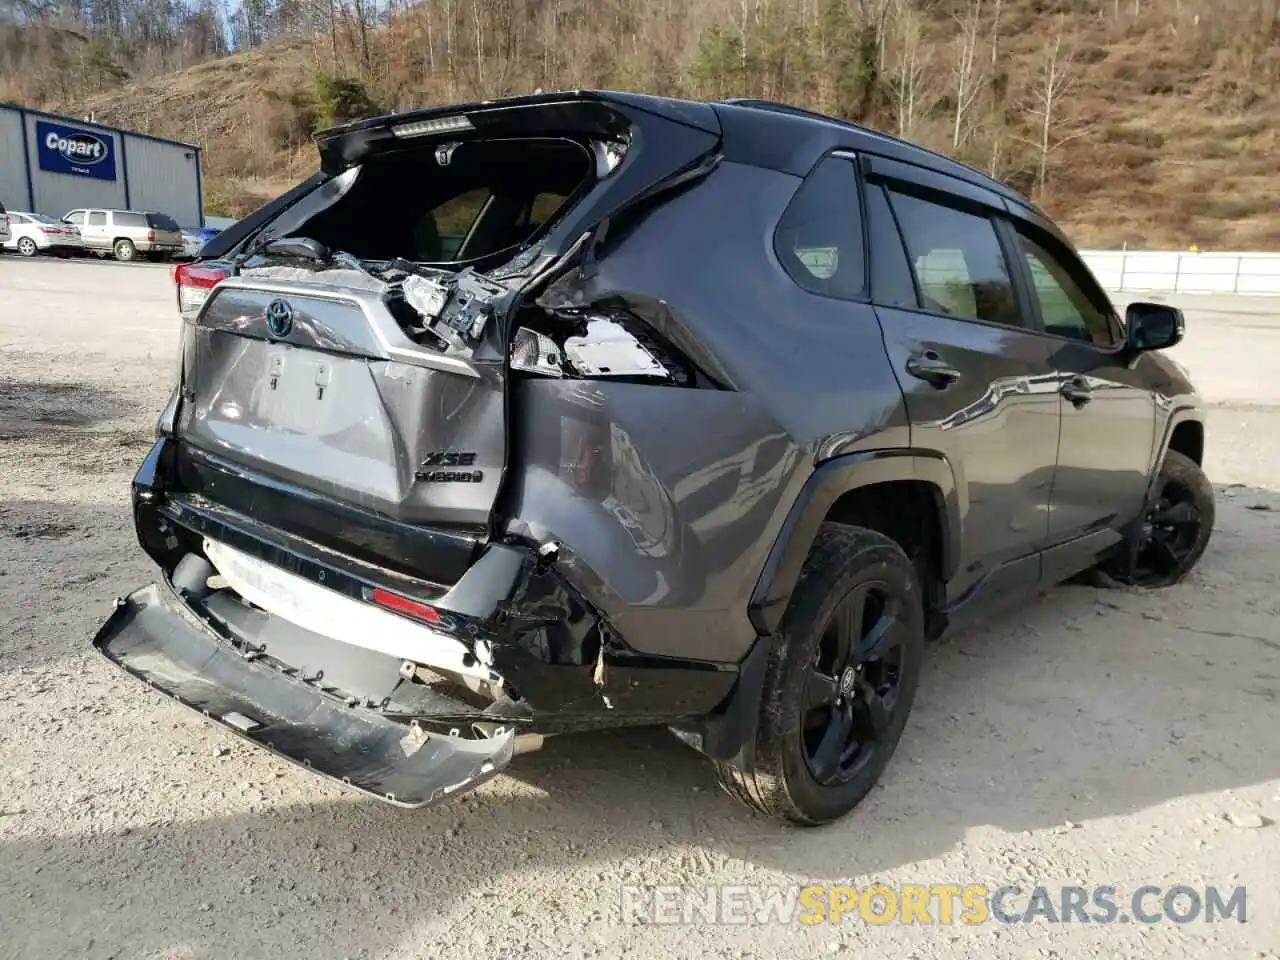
(932, 369)
(1078, 391)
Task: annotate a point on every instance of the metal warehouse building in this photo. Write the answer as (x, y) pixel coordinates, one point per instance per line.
(52, 164)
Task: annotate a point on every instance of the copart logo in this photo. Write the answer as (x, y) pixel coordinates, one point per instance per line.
(82, 148)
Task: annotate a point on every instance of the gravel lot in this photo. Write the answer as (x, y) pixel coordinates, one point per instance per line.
(1091, 737)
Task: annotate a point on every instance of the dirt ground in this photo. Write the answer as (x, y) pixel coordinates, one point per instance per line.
(1091, 737)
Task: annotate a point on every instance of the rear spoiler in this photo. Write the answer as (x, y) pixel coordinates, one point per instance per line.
(669, 138)
(593, 113)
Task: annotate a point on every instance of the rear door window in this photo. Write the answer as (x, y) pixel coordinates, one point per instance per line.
(957, 260)
(818, 241)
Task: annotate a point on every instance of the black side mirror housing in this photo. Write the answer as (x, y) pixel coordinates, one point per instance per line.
(1153, 326)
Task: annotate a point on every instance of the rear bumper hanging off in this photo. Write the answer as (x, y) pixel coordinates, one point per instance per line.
(153, 636)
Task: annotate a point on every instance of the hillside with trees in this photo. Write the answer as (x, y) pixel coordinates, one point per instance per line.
(1141, 122)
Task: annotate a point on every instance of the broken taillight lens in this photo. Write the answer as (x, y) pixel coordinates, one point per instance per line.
(194, 281)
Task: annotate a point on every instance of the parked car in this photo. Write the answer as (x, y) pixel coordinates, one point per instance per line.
(32, 233)
(126, 233)
(589, 409)
(194, 239)
(4, 226)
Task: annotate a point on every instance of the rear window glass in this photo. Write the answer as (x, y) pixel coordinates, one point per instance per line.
(161, 221)
(487, 197)
(819, 238)
(129, 219)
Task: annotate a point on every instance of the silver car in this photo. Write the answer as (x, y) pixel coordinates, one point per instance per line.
(32, 233)
(127, 233)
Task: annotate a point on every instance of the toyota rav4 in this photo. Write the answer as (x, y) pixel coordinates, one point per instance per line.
(588, 409)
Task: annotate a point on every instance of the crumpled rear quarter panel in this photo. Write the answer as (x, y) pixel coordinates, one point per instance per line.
(667, 500)
(659, 498)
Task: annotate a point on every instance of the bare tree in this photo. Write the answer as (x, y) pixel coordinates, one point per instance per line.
(909, 72)
(966, 74)
(995, 35)
(1052, 123)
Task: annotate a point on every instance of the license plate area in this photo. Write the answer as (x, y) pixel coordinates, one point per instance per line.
(300, 393)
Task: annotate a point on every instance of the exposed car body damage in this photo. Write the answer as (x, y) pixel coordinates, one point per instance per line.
(549, 442)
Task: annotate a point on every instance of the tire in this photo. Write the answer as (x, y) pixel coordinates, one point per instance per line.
(1175, 532)
(27, 247)
(124, 250)
(849, 568)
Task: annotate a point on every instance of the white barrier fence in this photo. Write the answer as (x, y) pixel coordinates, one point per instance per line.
(1123, 271)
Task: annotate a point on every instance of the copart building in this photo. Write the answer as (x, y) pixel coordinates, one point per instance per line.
(51, 164)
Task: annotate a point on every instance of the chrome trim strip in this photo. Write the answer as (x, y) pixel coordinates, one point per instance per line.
(326, 316)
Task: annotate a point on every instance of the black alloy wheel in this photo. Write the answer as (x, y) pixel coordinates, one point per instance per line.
(851, 688)
(1175, 531)
(844, 664)
(1168, 535)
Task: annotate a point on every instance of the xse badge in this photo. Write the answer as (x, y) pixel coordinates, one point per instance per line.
(434, 468)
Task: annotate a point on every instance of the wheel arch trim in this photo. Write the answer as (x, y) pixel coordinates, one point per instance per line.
(1175, 419)
(829, 481)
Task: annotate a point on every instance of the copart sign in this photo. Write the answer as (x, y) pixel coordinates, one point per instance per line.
(80, 153)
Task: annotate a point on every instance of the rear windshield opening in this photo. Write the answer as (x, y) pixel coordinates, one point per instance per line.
(488, 196)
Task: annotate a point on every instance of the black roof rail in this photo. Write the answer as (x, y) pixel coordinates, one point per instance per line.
(774, 106)
(777, 106)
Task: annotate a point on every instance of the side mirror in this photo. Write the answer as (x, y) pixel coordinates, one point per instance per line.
(1153, 326)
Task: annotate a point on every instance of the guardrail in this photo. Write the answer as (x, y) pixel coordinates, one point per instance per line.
(1124, 271)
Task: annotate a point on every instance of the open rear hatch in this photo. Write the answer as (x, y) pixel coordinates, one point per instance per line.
(358, 394)
(338, 444)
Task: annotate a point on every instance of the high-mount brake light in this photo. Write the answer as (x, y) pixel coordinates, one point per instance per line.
(194, 282)
(423, 128)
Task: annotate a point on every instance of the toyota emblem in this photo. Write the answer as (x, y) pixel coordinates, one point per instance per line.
(279, 318)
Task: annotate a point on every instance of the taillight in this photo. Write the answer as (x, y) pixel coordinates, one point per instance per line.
(194, 281)
(151, 235)
(48, 230)
(404, 605)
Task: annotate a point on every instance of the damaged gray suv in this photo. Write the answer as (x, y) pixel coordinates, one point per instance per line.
(587, 409)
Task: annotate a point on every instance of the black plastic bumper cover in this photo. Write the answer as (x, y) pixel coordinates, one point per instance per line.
(152, 636)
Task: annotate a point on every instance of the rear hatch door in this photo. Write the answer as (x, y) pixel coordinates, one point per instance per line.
(315, 398)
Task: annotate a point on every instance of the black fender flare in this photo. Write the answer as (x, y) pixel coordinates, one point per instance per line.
(1179, 416)
(828, 482)
(729, 734)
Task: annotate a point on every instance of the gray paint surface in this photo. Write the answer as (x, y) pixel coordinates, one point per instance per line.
(163, 177)
(13, 178)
